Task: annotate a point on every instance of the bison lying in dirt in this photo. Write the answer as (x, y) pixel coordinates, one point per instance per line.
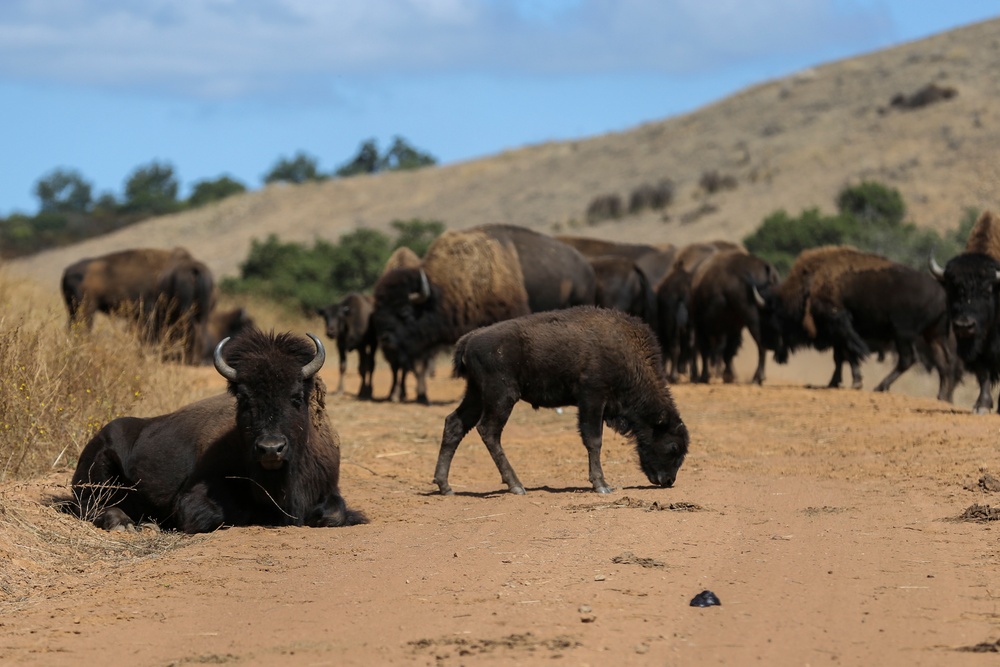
(265, 454)
(603, 361)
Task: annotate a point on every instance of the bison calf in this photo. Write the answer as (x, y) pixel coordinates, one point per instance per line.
(605, 362)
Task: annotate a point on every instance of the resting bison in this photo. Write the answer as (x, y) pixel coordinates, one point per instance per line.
(473, 278)
(265, 453)
(349, 322)
(167, 294)
(603, 361)
(971, 282)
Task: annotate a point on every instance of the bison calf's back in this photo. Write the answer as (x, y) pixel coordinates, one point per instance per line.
(606, 363)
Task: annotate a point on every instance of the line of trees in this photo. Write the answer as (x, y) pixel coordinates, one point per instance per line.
(870, 216)
(69, 212)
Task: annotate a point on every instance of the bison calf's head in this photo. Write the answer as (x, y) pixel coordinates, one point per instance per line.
(662, 452)
(271, 377)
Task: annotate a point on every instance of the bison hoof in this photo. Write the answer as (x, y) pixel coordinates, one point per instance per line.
(604, 489)
(422, 399)
(982, 410)
(445, 489)
(517, 490)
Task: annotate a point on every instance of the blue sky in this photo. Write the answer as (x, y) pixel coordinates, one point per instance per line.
(227, 87)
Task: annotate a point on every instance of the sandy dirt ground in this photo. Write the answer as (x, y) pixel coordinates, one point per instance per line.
(827, 522)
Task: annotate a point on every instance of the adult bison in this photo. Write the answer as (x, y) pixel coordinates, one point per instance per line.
(622, 285)
(971, 282)
(265, 453)
(349, 323)
(404, 258)
(856, 303)
(166, 294)
(603, 361)
(653, 261)
(673, 307)
(722, 304)
(473, 278)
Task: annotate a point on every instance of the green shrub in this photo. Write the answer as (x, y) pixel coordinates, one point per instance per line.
(870, 218)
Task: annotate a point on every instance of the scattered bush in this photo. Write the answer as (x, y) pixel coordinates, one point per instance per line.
(314, 277)
(653, 197)
(869, 217)
(929, 94)
(206, 191)
(712, 182)
(604, 207)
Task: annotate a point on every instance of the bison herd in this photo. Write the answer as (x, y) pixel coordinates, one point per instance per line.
(552, 321)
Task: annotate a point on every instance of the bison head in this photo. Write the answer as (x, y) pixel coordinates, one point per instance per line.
(780, 330)
(662, 452)
(271, 377)
(972, 285)
(332, 319)
(407, 316)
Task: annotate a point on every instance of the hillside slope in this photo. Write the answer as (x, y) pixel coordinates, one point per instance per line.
(790, 143)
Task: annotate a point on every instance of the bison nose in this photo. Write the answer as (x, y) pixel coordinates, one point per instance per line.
(664, 478)
(271, 446)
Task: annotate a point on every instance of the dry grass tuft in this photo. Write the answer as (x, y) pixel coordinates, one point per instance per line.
(44, 550)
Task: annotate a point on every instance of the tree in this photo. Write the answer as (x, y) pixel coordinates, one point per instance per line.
(206, 191)
(365, 162)
(872, 203)
(299, 169)
(151, 190)
(402, 155)
(359, 259)
(63, 191)
(417, 234)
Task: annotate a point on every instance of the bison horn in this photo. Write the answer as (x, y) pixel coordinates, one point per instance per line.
(757, 297)
(225, 370)
(998, 277)
(425, 289)
(313, 366)
(936, 269)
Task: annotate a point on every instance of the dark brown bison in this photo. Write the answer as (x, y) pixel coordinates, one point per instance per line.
(472, 278)
(723, 304)
(603, 361)
(653, 261)
(404, 258)
(166, 294)
(673, 307)
(971, 282)
(623, 286)
(349, 323)
(225, 324)
(857, 303)
(265, 453)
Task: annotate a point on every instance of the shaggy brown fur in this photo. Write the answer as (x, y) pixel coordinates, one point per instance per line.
(489, 283)
(985, 235)
(820, 272)
(401, 258)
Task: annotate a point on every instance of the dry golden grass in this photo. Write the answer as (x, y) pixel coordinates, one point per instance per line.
(58, 387)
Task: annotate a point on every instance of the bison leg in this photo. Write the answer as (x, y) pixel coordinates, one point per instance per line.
(904, 359)
(366, 368)
(591, 424)
(343, 368)
(332, 512)
(495, 415)
(984, 403)
(730, 347)
(456, 426)
(949, 369)
(838, 367)
(420, 371)
(197, 512)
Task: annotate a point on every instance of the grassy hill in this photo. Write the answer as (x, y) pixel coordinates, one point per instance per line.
(790, 143)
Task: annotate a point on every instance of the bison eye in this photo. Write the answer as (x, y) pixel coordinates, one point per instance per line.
(298, 399)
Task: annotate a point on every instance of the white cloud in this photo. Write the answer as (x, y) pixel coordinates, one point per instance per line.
(219, 49)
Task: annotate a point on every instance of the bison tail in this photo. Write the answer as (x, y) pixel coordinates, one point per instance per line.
(458, 369)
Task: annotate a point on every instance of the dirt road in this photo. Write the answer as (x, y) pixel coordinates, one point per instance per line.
(826, 521)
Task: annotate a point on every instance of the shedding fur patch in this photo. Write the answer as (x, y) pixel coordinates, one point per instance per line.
(985, 236)
(480, 277)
